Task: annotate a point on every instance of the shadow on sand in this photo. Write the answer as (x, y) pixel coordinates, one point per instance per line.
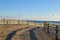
(32, 34)
(10, 35)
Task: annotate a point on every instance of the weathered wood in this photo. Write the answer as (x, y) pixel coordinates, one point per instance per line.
(44, 26)
(18, 21)
(48, 28)
(7, 21)
(56, 34)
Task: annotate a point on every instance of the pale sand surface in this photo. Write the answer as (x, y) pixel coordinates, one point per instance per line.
(23, 32)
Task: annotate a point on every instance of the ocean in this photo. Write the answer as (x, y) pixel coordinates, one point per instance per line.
(40, 22)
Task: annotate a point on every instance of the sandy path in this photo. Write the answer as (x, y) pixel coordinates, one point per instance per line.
(22, 32)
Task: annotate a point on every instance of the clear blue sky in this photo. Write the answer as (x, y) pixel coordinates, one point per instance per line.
(29, 7)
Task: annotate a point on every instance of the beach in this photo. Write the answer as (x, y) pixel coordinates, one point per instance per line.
(13, 29)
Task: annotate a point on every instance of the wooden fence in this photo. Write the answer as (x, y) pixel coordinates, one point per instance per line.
(52, 29)
(24, 22)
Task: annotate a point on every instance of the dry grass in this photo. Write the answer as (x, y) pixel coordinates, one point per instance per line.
(6, 29)
(22, 34)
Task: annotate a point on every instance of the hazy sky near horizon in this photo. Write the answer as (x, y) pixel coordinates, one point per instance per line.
(31, 9)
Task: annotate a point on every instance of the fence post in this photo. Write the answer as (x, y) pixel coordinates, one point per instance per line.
(18, 21)
(3, 21)
(45, 23)
(48, 28)
(56, 34)
(44, 26)
(7, 21)
(27, 22)
(22, 22)
(34, 24)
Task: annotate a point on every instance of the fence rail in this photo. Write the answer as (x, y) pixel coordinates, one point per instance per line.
(51, 29)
